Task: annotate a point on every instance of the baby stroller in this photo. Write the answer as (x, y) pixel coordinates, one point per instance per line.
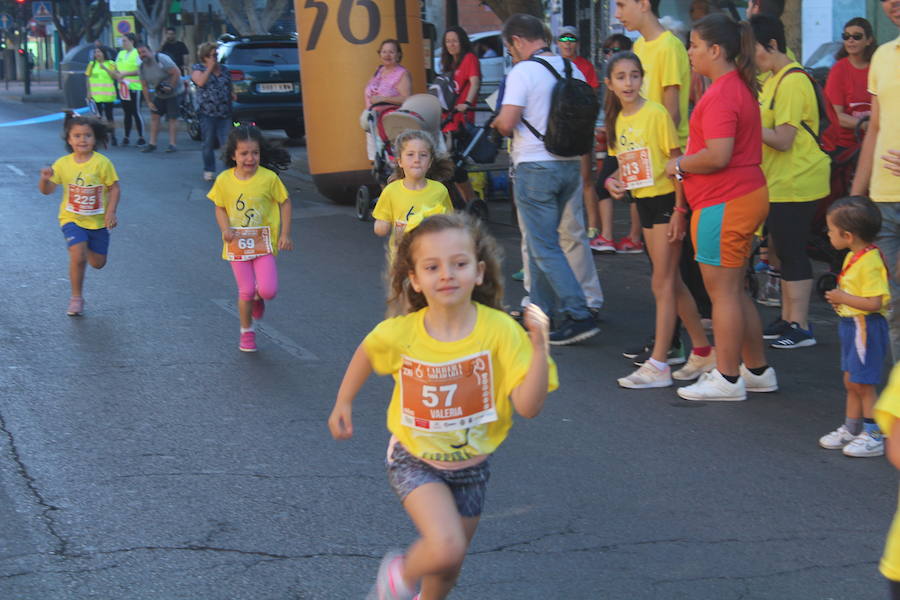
(384, 122)
(843, 167)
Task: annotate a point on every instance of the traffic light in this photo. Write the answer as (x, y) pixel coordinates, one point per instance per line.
(20, 1)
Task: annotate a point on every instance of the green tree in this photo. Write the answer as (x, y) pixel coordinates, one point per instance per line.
(247, 19)
(506, 8)
(78, 20)
(152, 15)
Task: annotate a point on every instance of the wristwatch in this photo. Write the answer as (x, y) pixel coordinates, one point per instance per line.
(679, 174)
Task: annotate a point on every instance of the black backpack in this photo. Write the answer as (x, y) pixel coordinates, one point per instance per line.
(573, 114)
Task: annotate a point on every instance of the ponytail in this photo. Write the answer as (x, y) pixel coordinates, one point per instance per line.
(744, 61)
(612, 104)
(737, 42)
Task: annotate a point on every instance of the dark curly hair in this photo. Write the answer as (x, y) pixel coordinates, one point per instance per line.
(101, 130)
(270, 157)
(403, 299)
(858, 215)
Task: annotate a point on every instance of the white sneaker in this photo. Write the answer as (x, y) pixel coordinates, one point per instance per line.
(767, 382)
(864, 446)
(712, 387)
(647, 376)
(696, 366)
(837, 439)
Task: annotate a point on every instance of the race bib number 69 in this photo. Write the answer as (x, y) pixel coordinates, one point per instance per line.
(249, 243)
(447, 396)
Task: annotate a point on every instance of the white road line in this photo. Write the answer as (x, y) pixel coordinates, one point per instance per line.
(286, 343)
(16, 170)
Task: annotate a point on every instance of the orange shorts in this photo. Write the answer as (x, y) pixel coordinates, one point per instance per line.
(723, 233)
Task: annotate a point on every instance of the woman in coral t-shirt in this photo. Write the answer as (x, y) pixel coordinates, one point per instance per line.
(726, 190)
(847, 85)
(457, 58)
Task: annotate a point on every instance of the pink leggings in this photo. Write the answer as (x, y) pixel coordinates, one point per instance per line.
(256, 276)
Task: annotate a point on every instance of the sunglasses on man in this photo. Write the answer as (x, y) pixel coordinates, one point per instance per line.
(568, 38)
(856, 36)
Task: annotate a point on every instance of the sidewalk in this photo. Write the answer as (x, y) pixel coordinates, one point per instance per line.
(44, 88)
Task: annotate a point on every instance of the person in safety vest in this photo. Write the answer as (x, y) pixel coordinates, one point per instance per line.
(101, 74)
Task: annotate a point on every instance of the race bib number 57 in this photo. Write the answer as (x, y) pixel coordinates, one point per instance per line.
(635, 169)
(85, 200)
(249, 243)
(447, 396)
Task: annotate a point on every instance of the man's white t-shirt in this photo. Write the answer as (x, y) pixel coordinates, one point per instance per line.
(530, 84)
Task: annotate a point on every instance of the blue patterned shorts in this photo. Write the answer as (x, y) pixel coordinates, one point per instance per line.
(468, 486)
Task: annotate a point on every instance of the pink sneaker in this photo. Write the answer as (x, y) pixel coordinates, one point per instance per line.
(602, 245)
(259, 309)
(390, 585)
(629, 246)
(76, 306)
(248, 341)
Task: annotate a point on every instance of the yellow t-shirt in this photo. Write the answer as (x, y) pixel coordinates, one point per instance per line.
(254, 202)
(85, 189)
(867, 278)
(763, 76)
(451, 399)
(404, 208)
(885, 84)
(887, 410)
(803, 172)
(666, 63)
(651, 133)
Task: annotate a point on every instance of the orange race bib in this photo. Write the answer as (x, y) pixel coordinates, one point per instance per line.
(635, 169)
(249, 243)
(447, 396)
(85, 200)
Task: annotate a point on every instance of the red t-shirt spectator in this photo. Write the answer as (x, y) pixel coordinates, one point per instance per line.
(468, 67)
(587, 69)
(847, 86)
(726, 110)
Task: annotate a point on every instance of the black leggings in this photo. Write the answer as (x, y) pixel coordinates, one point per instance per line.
(788, 225)
(132, 109)
(105, 110)
(895, 589)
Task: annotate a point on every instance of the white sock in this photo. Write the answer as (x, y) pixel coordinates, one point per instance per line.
(247, 329)
(660, 366)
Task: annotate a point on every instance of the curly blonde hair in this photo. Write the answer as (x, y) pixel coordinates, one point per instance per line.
(441, 168)
(403, 299)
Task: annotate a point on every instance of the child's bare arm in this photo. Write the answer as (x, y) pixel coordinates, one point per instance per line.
(224, 224)
(110, 220)
(528, 397)
(868, 304)
(284, 241)
(340, 423)
(45, 186)
(382, 228)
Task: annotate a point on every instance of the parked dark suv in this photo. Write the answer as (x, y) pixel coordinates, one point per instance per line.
(265, 70)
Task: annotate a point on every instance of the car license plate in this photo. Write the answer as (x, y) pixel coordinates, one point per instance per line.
(269, 88)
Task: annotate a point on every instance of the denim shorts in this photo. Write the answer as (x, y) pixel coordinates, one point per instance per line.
(468, 486)
(875, 340)
(97, 239)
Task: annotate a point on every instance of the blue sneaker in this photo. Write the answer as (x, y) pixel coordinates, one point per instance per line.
(794, 337)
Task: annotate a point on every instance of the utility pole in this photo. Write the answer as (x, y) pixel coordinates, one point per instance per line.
(23, 44)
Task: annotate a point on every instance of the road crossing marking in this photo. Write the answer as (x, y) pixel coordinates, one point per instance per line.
(16, 170)
(286, 343)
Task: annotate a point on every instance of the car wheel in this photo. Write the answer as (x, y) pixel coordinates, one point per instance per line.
(363, 203)
(478, 208)
(295, 131)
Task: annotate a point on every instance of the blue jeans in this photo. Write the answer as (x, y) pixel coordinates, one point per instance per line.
(212, 128)
(543, 189)
(889, 241)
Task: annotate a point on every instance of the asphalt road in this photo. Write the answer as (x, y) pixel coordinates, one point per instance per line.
(142, 456)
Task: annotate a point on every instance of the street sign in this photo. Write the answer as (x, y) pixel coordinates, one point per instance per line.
(42, 12)
(122, 5)
(6, 21)
(121, 26)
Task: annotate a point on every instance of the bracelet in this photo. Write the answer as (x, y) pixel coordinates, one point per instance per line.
(606, 181)
(681, 209)
(679, 174)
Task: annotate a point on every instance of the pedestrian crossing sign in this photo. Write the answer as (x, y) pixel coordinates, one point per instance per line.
(41, 12)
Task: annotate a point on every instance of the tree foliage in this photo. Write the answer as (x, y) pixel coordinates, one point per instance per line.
(247, 19)
(152, 15)
(78, 20)
(506, 8)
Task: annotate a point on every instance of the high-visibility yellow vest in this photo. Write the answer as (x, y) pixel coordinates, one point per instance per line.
(128, 60)
(101, 86)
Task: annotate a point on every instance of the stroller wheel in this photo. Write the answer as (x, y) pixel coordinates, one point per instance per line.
(363, 203)
(478, 208)
(826, 282)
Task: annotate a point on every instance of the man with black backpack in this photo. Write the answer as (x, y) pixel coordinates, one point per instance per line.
(549, 111)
